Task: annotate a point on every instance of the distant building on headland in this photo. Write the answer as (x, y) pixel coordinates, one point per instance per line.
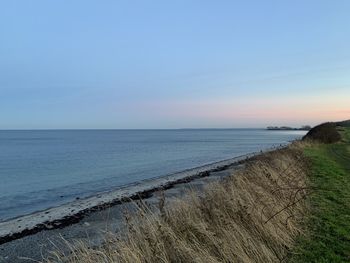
(286, 128)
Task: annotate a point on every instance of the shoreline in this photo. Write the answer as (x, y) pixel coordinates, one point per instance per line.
(74, 211)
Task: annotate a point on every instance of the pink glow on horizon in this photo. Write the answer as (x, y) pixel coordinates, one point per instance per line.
(261, 111)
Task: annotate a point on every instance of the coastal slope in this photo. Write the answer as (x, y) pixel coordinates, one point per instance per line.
(252, 216)
(288, 205)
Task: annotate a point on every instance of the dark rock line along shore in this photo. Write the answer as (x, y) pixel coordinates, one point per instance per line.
(71, 213)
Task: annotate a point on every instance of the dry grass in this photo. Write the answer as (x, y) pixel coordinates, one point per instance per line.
(253, 216)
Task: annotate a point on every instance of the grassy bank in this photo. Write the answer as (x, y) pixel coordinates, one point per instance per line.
(328, 226)
(253, 216)
(288, 205)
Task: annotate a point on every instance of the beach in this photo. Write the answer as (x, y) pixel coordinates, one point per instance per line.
(45, 169)
(90, 218)
(86, 212)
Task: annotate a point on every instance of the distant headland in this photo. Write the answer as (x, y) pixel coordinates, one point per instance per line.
(286, 128)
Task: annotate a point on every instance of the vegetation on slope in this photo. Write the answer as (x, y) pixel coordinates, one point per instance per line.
(344, 123)
(298, 193)
(324, 133)
(253, 216)
(328, 225)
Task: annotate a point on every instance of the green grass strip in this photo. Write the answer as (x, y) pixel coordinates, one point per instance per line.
(327, 237)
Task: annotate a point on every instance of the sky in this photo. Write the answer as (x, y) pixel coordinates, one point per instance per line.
(173, 64)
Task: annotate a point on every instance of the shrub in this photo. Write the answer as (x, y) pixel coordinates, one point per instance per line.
(324, 133)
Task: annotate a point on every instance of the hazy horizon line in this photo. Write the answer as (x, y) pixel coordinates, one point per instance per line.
(95, 129)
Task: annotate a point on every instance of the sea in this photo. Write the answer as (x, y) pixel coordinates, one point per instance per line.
(40, 169)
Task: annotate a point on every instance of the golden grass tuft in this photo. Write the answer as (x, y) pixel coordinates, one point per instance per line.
(252, 216)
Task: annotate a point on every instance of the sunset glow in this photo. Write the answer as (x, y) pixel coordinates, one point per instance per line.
(157, 65)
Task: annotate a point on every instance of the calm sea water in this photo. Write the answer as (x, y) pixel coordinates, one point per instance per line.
(41, 169)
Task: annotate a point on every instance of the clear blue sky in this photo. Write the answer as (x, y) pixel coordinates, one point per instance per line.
(173, 64)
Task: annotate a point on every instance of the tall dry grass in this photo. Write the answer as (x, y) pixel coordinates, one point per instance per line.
(253, 216)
